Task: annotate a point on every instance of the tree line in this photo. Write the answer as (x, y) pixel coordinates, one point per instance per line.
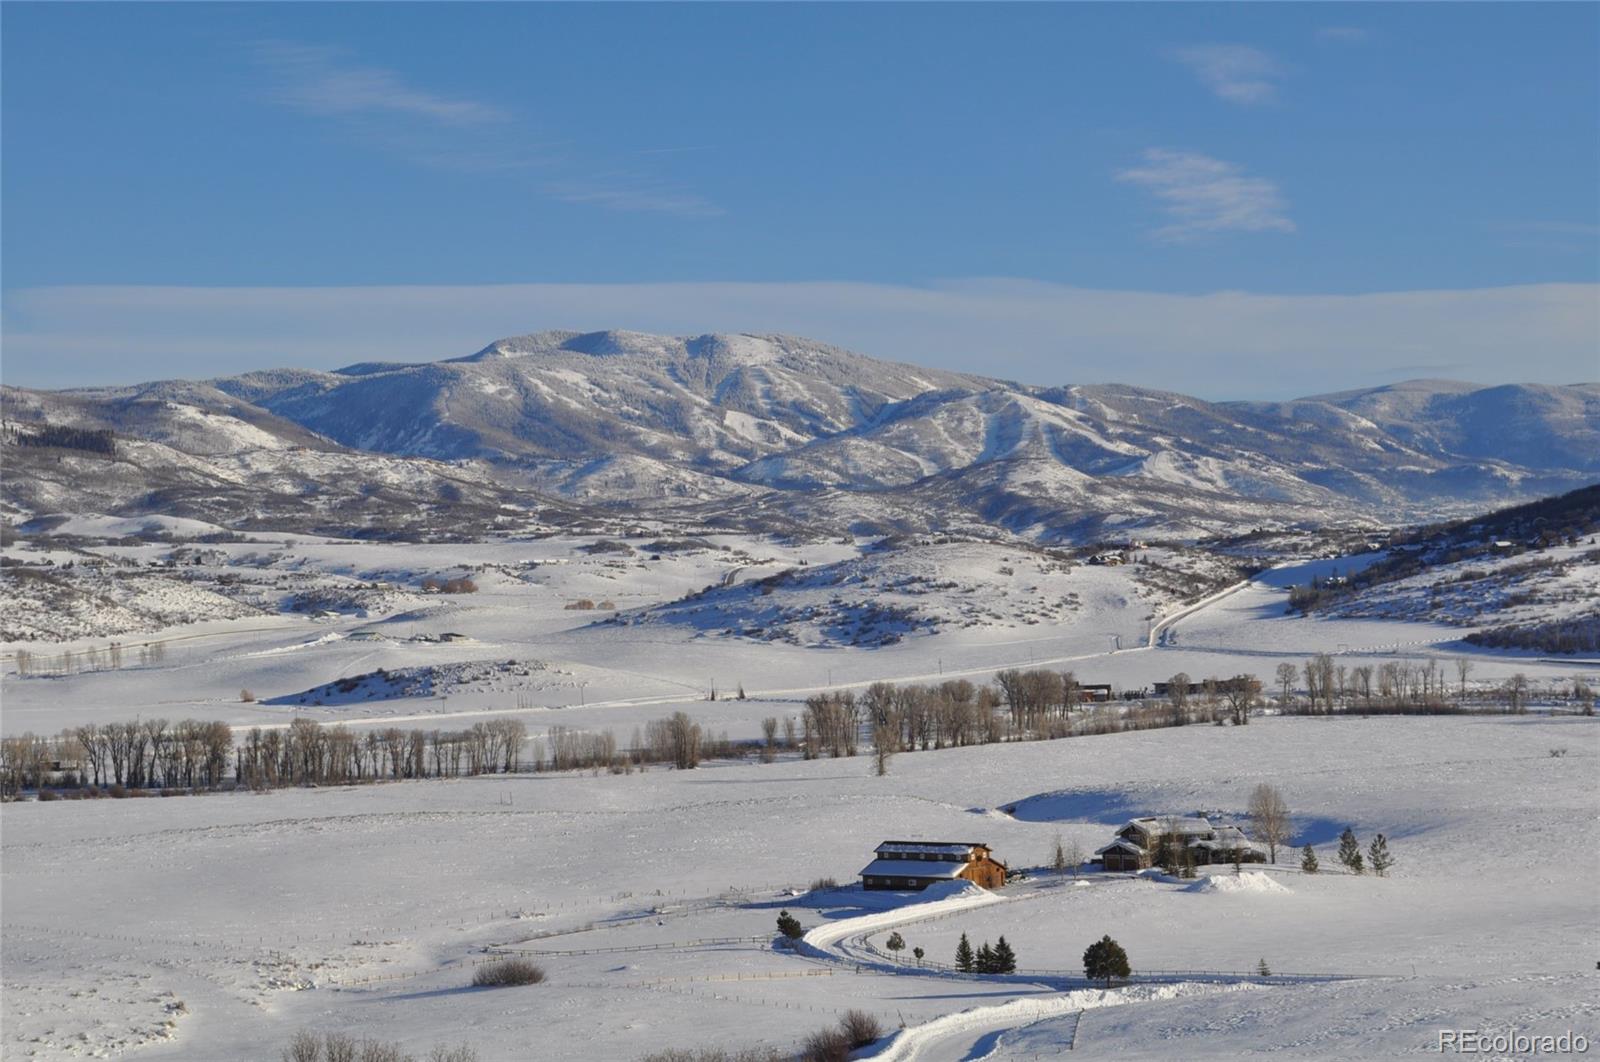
(94, 440)
(194, 754)
(1411, 687)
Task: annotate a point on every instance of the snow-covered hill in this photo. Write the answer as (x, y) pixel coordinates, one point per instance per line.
(749, 429)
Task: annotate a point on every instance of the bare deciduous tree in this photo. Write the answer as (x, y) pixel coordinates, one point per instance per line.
(1269, 817)
(1287, 673)
(769, 734)
(885, 736)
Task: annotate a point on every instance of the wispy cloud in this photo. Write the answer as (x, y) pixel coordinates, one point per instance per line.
(623, 193)
(1204, 195)
(323, 80)
(1216, 345)
(1237, 73)
(382, 110)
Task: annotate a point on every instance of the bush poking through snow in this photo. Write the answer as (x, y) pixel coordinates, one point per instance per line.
(339, 1047)
(826, 1045)
(458, 1053)
(790, 926)
(303, 1047)
(860, 1028)
(307, 1046)
(507, 972)
(718, 1054)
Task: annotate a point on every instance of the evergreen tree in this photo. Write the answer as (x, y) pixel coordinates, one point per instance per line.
(789, 926)
(964, 955)
(1105, 960)
(895, 942)
(1350, 850)
(1262, 970)
(1379, 855)
(1058, 860)
(985, 963)
(918, 952)
(1005, 959)
(1308, 861)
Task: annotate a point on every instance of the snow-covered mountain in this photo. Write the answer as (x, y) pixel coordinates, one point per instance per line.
(756, 428)
(709, 402)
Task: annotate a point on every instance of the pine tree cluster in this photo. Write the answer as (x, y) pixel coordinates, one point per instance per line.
(790, 926)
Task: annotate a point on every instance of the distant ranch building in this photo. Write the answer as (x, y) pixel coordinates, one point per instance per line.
(918, 864)
(1140, 842)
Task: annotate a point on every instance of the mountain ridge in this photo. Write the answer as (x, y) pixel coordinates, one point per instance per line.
(741, 423)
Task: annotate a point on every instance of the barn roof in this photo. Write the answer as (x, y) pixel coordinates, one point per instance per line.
(931, 847)
(901, 868)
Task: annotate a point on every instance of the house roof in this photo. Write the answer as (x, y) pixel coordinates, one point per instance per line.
(930, 847)
(1126, 846)
(1230, 846)
(1183, 825)
(904, 868)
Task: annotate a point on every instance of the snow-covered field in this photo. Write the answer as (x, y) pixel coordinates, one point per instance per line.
(657, 646)
(266, 914)
(215, 927)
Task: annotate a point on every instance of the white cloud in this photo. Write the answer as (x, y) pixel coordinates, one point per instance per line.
(1237, 73)
(379, 109)
(1218, 345)
(1205, 195)
(321, 80)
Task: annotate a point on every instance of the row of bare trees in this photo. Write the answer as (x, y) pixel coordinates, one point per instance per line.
(149, 753)
(1422, 686)
(112, 658)
(1030, 705)
(308, 753)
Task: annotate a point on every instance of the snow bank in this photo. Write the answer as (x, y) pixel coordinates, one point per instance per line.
(909, 1043)
(1249, 881)
(331, 636)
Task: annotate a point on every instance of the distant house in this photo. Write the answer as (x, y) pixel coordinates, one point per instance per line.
(453, 636)
(918, 864)
(1094, 692)
(1140, 843)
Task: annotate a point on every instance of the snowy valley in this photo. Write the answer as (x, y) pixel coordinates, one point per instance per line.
(328, 694)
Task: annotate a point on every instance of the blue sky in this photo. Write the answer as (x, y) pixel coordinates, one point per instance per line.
(1398, 190)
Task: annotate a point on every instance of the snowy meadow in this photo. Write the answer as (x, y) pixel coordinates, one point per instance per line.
(221, 925)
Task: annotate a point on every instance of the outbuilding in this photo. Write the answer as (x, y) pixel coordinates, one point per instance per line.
(918, 864)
